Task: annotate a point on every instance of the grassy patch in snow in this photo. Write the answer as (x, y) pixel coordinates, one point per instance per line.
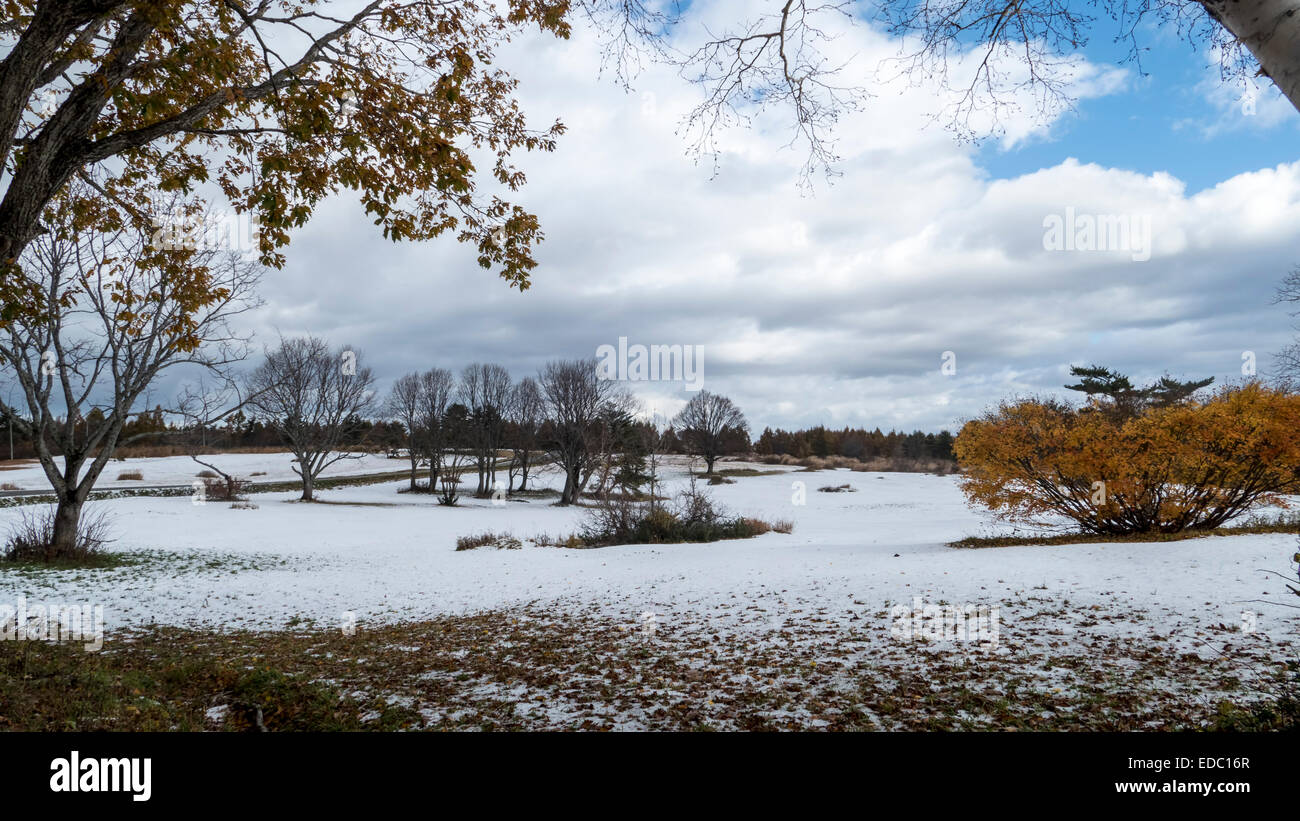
(123, 564)
(539, 669)
(1280, 523)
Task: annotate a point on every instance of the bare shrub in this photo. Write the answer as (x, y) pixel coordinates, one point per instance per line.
(130, 476)
(31, 537)
(207, 474)
(845, 488)
(228, 489)
(501, 541)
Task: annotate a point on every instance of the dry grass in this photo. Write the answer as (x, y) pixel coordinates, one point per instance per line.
(538, 669)
(130, 476)
(488, 539)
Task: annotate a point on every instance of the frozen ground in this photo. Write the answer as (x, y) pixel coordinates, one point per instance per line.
(379, 556)
(181, 470)
(781, 631)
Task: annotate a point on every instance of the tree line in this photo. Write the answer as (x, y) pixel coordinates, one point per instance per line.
(855, 443)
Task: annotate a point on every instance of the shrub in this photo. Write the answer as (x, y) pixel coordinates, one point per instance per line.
(229, 489)
(837, 489)
(207, 474)
(488, 539)
(130, 475)
(693, 518)
(1189, 466)
(31, 537)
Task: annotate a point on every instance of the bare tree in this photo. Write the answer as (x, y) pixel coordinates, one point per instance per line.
(309, 395)
(485, 392)
(1288, 359)
(405, 406)
(705, 422)
(577, 400)
(119, 313)
(201, 406)
(527, 411)
(437, 386)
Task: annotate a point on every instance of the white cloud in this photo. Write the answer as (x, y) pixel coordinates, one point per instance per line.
(830, 308)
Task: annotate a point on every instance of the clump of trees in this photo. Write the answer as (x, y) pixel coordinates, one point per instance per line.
(1155, 459)
(855, 443)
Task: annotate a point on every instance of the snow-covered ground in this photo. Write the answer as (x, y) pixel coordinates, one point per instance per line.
(181, 470)
(373, 554)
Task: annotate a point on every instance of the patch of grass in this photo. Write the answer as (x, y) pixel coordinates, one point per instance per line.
(162, 681)
(130, 476)
(539, 669)
(488, 539)
(100, 560)
(1278, 710)
(748, 472)
(1281, 523)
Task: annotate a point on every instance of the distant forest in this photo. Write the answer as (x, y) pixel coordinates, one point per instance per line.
(149, 434)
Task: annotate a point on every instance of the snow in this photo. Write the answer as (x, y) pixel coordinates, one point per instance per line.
(369, 554)
(181, 470)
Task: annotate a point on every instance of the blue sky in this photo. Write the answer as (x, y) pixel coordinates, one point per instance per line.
(1162, 121)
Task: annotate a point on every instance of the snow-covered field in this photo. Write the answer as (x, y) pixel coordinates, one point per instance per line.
(377, 555)
(181, 470)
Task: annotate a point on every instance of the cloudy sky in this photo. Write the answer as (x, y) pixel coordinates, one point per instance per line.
(837, 306)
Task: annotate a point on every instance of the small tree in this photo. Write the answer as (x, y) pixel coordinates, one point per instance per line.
(527, 411)
(577, 400)
(118, 313)
(438, 431)
(308, 395)
(485, 392)
(404, 405)
(705, 423)
(1115, 393)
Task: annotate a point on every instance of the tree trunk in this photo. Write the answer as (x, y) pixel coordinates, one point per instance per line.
(415, 469)
(1270, 29)
(308, 485)
(709, 460)
(67, 516)
(570, 492)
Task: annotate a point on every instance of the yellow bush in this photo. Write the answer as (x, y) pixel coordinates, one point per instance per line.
(1193, 465)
